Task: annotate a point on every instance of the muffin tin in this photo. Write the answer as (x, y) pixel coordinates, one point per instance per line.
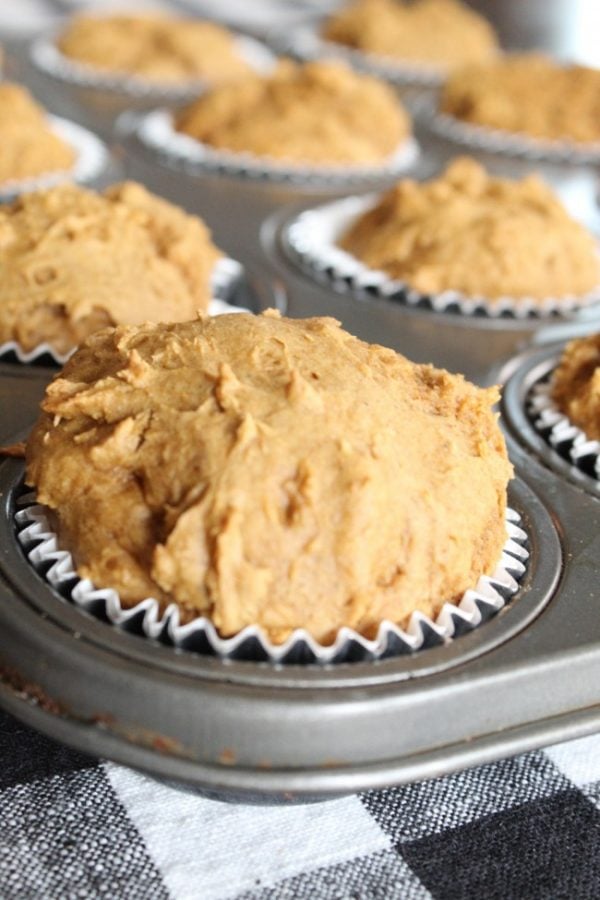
(262, 732)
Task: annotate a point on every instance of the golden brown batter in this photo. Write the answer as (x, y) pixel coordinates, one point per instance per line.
(28, 146)
(272, 471)
(434, 32)
(528, 94)
(72, 261)
(576, 384)
(156, 47)
(315, 113)
(482, 236)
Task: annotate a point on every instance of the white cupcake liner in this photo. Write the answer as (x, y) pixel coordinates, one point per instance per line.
(49, 59)
(307, 44)
(569, 441)
(490, 594)
(156, 130)
(91, 159)
(312, 241)
(225, 273)
(494, 140)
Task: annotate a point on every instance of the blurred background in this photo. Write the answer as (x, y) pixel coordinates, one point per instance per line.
(568, 28)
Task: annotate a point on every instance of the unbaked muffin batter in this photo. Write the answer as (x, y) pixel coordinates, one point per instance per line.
(442, 33)
(155, 47)
(28, 146)
(281, 472)
(576, 384)
(483, 236)
(73, 261)
(315, 113)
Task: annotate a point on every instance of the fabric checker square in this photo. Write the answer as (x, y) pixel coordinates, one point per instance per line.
(69, 836)
(208, 849)
(380, 876)
(27, 755)
(544, 848)
(423, 808)
(578, 760)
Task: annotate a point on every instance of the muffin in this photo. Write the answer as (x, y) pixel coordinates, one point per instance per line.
(319, 112)
(481, 236)
(530, 95)
(439, 33)
(273, 472)
(73, 261)
(28, 146)
(154, 47)
(576, 384)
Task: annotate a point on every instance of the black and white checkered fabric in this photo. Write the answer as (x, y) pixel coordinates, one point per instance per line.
(73, 827)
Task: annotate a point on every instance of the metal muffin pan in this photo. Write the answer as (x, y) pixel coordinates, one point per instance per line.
(252, 731)
(267, 730)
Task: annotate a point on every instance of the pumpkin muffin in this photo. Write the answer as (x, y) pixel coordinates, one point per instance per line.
(28, 146)
(528, 94)
(73, 261)
(279, 472)
(485, 237)
(438, 33)
(154, 47)
(576, 384)
(319, 112)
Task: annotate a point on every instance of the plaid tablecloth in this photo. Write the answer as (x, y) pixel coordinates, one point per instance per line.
(73, 827)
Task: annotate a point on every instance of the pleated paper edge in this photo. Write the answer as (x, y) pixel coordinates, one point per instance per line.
(155, 130)
(490, 594)
(557, 429)
(311, 238)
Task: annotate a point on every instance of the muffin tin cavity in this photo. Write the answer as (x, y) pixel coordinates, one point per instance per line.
(156, 132)
(306, 43)
(226, 276)
(493, 140)
(91, 160)
(310, 241)
(491, 593)
(47, 57)
(536, 421)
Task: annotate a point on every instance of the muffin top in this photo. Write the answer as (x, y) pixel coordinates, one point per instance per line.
(482, 236)
(280, 472)
(73, 261)
(576, 384)
(28, 146)
(155, 47)
(442, 33)
(528, 94)
(319, 112)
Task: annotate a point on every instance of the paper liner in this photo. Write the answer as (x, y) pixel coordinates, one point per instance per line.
(311, 240)
(569, 441)
(494, 140)
(91, 160)
(307, 44)
(156, 131)
(47, 57)
(477, 605)
(225, 273)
